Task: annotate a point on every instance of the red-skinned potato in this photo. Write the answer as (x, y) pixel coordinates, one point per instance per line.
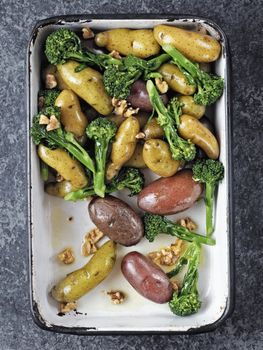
(170, 195)
(146, 278)
(116, 219)
(139, 97)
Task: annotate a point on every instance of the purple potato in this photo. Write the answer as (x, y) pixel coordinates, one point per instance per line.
(139, 97)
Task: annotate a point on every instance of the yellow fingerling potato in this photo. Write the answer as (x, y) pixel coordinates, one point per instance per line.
(72, 117)
(81, 281)
(195, 46)
(153, 130)
(59, 189)
(118, 119)
(158, 158)
(87, 84)
(69, 168)
(140, 43)
(136, 160)
(191, 129)
(124, 146)
(190, 107)
(176, 80)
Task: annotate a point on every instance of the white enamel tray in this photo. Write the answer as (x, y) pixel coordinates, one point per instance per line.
(50, 229)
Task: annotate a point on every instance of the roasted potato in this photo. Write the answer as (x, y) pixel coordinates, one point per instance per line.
(140, 43)
(59, 189)
(70, 169)
(72, 117)
(124, 146)
(176, 80)
(146, 278)
(81, 281)
(195, 46)
(190, 107)
(190, 128)
(170, 195)
(139, 97)
(111, 215)
(136, 160)
(88, 85)
(152, 130)
(118, 119)
(158, 158)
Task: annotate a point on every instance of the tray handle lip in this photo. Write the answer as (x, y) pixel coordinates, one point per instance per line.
(37, 318)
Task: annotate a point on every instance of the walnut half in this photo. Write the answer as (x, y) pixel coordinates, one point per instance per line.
(162, 85)
(117, 297)
(66, 256)
(87, 33)
(89, 245)
(188, 223)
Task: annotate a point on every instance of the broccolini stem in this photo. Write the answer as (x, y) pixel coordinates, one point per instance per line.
(183, 260)
(182, 233)
(74, 148)
(99, 175)
(156, 62)
(80, 194)
(209, 195)
(43, 170)
(155, 99)
(94, 59)
(180, 264)
(180, 60)
(190, 279)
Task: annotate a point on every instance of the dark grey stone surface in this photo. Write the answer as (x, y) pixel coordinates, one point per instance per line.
(242, 22)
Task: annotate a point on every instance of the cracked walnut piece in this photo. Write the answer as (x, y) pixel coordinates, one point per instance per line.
(117, 297)
(53, 122)
(89, 245)
(162, 85)
(115, 54)
(66, 256)
(87, 33)
(122, 108)
(188, 223)
(67, 307)
(167, 256)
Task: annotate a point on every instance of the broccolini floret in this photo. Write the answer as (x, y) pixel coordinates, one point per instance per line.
(209, 86)
(118, 79)
(210, 172)
(64, 44)
(102, 131)
(157, 224)
(168, 119)
(186, 302)
(48, 97)
(128, 178)
(59, 138)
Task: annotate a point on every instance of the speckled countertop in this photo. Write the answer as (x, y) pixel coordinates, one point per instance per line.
(242, 22)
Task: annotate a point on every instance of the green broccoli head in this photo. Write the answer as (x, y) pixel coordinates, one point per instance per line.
(38, 131)
(117, 82)
(61, 44)
(185, 304)
(210, 90)
(174, 109)
(49, 97)
(101, 129)
(153, 225)
(208, 171)
(130, 178)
